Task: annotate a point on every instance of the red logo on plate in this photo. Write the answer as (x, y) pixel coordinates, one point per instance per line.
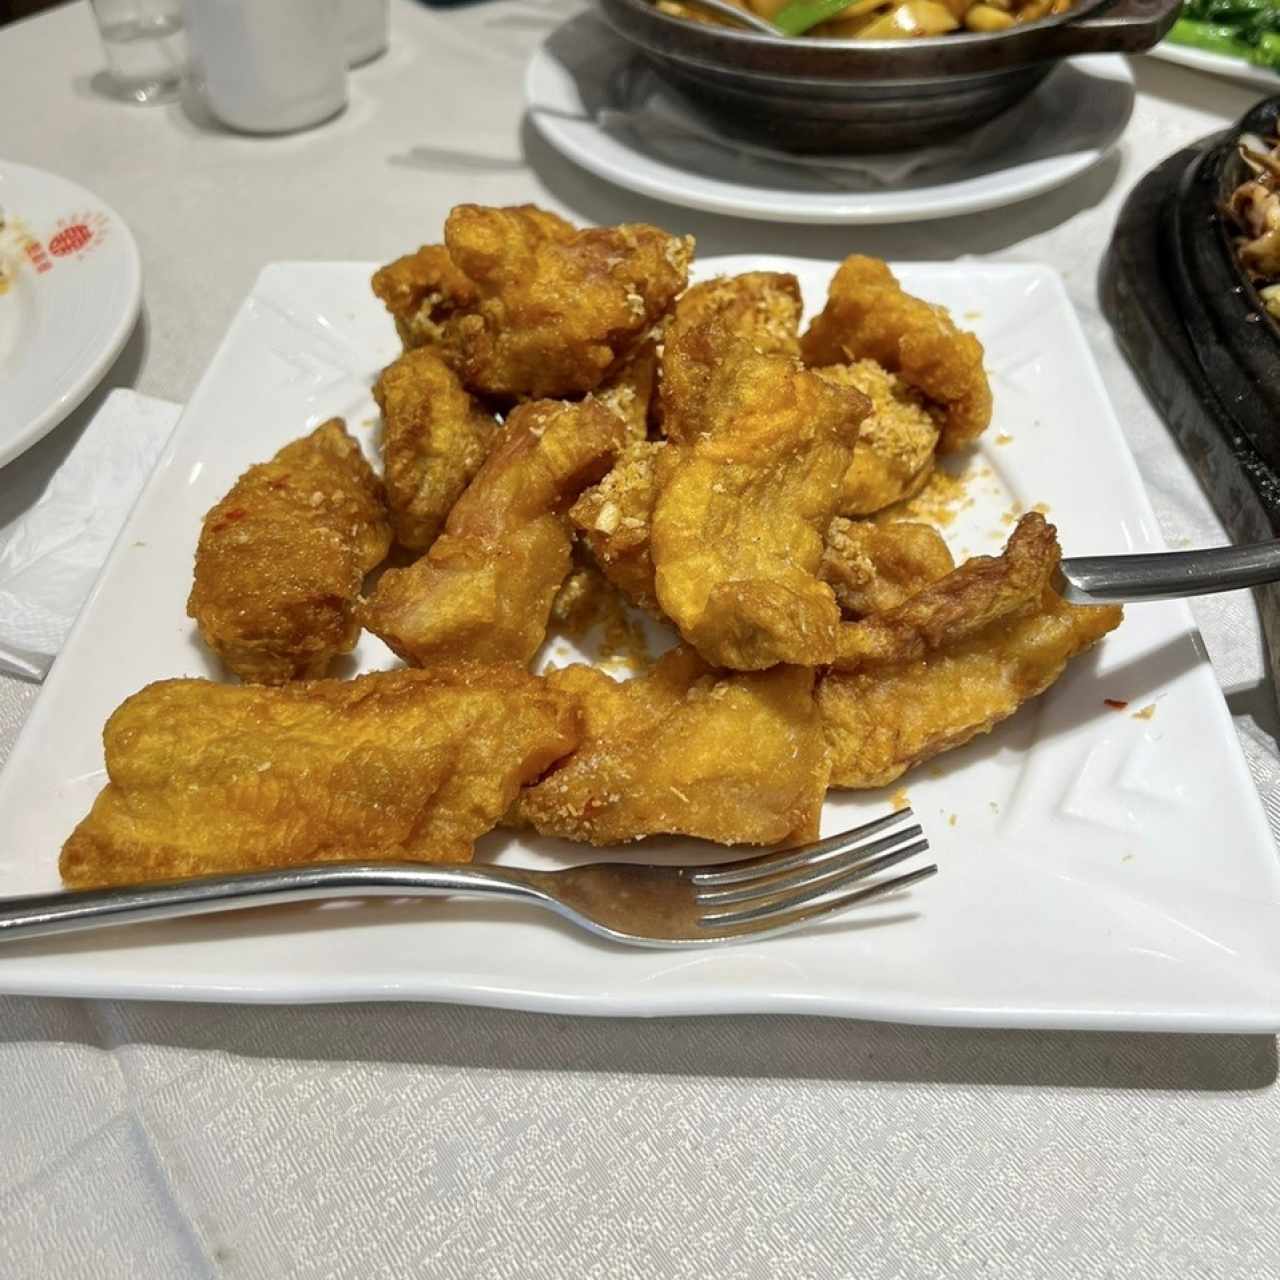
(77, 234)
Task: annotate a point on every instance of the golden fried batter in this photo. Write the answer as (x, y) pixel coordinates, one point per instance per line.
(881, 721)
(484, 590)
(760, 307)
(686, 750)
(744, 499)
(873, 568)
(869, 315)
(629, 390)
(614, 517)
(421, 290)
(434, 439)
(894, 457)
(981, 590)
(207, 778)
(554, 313)
(282, 558)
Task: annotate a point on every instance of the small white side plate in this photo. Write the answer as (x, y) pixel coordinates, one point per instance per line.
(74, 288)
(1100, 868)
(1065, 127)
(1218, 64)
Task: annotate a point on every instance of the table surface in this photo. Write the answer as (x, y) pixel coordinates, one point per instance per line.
(168, 1140)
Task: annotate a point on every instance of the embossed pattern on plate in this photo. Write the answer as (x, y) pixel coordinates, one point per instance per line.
(1102, 870)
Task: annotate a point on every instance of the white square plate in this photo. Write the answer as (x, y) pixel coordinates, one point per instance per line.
(1102, 870)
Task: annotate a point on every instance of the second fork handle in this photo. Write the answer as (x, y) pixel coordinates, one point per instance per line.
(1166, 575)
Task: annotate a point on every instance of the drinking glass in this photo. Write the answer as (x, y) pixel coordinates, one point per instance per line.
(145, 45)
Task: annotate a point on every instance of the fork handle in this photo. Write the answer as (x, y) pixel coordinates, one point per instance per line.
(31, 917)
(1166, 575)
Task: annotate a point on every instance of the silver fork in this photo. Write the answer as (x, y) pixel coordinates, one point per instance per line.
(647, 906)
(1166, 575)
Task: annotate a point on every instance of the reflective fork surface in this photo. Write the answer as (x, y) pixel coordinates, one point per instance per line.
(645, 905)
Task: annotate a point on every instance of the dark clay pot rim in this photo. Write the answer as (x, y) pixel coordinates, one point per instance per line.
(1092, 26)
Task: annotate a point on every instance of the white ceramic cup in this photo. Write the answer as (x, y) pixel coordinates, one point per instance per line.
(366, 29)
(269, 66)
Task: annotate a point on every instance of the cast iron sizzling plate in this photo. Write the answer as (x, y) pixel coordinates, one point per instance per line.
(1198, 336)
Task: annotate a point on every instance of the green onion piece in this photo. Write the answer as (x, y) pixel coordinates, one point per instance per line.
(796, 18)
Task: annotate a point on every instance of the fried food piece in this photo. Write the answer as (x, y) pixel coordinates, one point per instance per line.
(746, 490)
(629, 390)
(981, 590)
(685, 750)
(895, 452)
(760, 307)
(207, 778)
(881, 721)
(484, 589)
(869, 315)
(614, 518)
(435, 437)
(873, 568)
(282, 558)
(421, 290)
(553, 312)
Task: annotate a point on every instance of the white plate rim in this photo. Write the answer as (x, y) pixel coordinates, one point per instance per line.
(73, 391)
(1216, 64)
(287, 987)
(607, 162)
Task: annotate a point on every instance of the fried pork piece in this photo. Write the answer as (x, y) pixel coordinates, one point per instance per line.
(629, 390)
(685, 750)
(421, 290)
(881, 721)
(435, 437)
(282, 558)
(484, 589)
(207, 778)
(895, 452)
(760, 307)
(554, 313)
(744, 499)
(981, 590)
(868, 315)
(873, 568)
(614, 518)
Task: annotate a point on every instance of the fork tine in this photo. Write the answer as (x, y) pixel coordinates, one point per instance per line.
(809, 873)
(771, 900)
(752, 924)
(785, 859)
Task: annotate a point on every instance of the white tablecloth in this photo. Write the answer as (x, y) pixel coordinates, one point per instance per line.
(162, 1140)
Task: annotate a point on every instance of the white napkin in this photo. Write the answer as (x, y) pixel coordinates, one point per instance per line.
(57, 523)
(658, 116)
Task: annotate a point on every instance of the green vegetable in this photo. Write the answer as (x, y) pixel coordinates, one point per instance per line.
(1245, 29)
(1227, 12)
(1204, 35)
(1268, 51)
(796, 18)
